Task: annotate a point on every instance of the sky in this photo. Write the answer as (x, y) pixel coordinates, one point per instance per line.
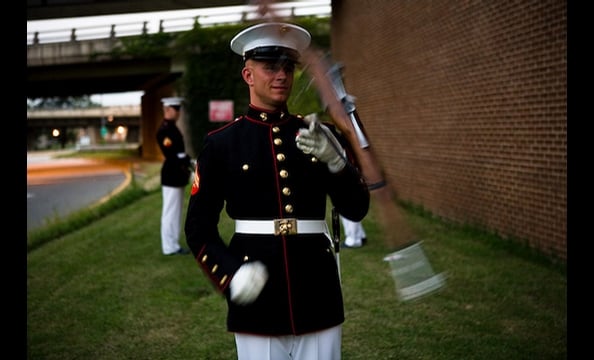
(118, 99)
(55, 30)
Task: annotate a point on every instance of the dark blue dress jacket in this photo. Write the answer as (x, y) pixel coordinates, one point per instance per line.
(253, 168)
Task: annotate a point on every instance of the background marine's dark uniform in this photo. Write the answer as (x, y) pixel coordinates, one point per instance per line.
(253, 168)
(175, 171)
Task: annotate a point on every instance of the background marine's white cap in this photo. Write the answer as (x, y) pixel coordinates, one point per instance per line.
(172, 101)
(271, 41)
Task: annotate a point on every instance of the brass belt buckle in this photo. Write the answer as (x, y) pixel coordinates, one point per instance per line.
(285, 226)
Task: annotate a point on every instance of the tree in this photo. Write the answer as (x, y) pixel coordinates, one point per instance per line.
(69, 102)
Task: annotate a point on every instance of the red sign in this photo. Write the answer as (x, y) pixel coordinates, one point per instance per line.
(220, 110)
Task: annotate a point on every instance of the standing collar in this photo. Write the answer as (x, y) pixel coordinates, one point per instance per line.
(267, 116)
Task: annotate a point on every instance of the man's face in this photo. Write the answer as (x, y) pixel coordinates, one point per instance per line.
(171, 112)
(270, 82)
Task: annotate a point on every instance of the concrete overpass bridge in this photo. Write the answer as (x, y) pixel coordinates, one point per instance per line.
(83, 128)
(75, 61)
(82, 67)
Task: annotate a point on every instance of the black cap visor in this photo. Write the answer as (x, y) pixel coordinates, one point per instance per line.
(272, 53)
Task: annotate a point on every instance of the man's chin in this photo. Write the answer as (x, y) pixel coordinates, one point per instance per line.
(280, 99)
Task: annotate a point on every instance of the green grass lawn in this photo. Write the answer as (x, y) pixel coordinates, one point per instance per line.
(103, 290)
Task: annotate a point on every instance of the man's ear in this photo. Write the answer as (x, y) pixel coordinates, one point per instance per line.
(247, 74)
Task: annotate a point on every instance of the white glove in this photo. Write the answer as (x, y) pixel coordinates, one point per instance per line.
(319, 141)
(247, 283)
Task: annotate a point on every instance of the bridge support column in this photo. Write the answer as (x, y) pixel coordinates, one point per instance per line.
(94, 135)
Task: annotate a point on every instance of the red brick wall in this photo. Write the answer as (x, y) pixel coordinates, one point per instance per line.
(465, 104)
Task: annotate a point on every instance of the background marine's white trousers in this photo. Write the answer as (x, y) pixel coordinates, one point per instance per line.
(353, 232)
(171, 218)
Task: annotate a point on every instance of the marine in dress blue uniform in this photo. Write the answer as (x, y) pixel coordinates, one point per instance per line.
(277, 194)
(175, 176)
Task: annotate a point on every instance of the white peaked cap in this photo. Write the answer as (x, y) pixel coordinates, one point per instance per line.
(271, 41)
(172, 101)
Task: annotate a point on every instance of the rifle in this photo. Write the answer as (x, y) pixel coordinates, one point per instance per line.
(411, 270)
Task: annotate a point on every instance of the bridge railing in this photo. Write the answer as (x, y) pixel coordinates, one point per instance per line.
(78, 113)
(172, 21)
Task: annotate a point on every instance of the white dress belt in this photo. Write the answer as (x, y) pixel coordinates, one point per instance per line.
(288, 226)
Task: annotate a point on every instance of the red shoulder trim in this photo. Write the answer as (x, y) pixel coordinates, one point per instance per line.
(225, 126)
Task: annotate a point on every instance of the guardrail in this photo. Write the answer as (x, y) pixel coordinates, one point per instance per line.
(176, 21)
(95, 112)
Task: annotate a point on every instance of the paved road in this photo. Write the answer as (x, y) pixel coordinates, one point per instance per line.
(57, 187)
